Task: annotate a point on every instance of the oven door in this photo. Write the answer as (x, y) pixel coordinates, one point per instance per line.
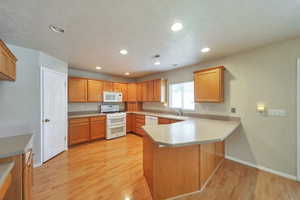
(115, 131)
(116, 121)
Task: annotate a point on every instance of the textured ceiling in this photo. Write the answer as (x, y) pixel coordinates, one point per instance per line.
(96, 30)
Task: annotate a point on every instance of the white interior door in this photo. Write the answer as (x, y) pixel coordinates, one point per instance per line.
(54, 113)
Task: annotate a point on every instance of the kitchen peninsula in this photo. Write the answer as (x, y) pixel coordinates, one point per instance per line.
(180, 158)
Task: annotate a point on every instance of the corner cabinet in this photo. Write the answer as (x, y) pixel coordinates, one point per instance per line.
(209, 85)
(7, 63)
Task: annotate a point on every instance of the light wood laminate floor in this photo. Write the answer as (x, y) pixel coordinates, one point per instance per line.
(113, 170)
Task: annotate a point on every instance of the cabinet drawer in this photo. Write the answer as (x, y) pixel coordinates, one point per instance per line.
(141, 117)
(79, 120)
(98, 118)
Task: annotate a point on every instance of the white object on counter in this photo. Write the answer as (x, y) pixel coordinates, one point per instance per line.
(150, 120)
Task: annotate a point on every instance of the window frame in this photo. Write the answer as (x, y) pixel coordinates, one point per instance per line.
(170, 96)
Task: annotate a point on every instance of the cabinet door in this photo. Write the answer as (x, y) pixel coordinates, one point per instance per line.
(7, 63)
(133, 129)
(139, 92)
(27, 176)
(164, 121)
(77, 89)
(209, 85)
(121, 87)
(79, 130)
(107, 86)
(128, 122)
(95, 91)
(139, 122)
(157, 90)
(132, 92)
(144, 92)
(150, 90)
(97, 127)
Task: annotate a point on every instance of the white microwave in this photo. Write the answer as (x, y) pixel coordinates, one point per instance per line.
(112, 97)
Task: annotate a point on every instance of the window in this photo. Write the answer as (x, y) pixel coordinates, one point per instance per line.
(182, 95)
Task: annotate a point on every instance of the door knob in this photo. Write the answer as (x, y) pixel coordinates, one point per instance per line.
(47, 120)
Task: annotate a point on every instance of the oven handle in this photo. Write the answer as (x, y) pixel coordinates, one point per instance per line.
(117, 126)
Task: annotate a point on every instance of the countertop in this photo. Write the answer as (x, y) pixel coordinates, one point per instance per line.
(5, 169)
(16, 145)
(192, 130)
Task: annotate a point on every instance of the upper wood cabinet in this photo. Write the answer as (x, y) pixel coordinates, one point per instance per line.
(159, 90)
(108, 86)
(77, 91)
(144, 91)
(121, 87)
(95, 91)
(132, 92)
(209, 85)
(139, 92)
(7, 63)
(150, 90)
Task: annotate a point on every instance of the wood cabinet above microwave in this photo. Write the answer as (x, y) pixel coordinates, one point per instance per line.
(7, 63)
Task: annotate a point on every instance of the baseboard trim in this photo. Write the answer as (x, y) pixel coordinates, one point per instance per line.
(285, 175)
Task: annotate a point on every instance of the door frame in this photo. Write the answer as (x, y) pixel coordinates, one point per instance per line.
(65, 76)
(298, 119)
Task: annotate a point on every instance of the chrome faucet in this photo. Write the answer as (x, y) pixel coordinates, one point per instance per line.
(179, 112)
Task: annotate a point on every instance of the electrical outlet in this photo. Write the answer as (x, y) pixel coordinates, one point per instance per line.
(233, 110)
(277, 112)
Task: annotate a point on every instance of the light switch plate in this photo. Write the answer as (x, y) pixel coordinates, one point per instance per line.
(277, 112)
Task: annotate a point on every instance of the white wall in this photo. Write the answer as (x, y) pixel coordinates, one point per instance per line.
(266, 75)
(20, 99)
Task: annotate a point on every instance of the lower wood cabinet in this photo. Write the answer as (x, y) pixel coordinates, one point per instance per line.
(139, 122)
(21, 177)
(86, 129)
(129, 122)
(162, 120)
(97, 127)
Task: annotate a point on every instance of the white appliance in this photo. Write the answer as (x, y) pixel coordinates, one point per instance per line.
(150, 120)
(112, 96)
(115, 121)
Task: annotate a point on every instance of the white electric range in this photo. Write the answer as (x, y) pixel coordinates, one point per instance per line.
(115, 121)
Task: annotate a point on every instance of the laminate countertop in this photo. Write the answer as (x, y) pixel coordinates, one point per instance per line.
(192, 131)
(5, 169)
(16, 145)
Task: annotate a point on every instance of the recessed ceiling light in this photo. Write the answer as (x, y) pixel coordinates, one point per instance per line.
(56, 29)
(157, 63)
(124, 52)
(176, 27)
(127, 73)
(205, 50)
(98, 67)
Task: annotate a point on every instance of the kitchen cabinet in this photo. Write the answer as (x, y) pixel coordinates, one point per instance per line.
(163, 121)
(159, 90)
(121, 87)
(5, 186)
(7, 63)
(108, 86)
(132, 92)
(129, 122)
(134, 106)
(77, 89)
(95, 91)
(144, 91)
(150, 90)
(139, 92)
(97, 127)
(79, 131)
(21, 176)
(209, 85)
(139, 122)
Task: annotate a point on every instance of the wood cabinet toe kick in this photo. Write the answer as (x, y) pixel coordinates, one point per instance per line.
(174, 171)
